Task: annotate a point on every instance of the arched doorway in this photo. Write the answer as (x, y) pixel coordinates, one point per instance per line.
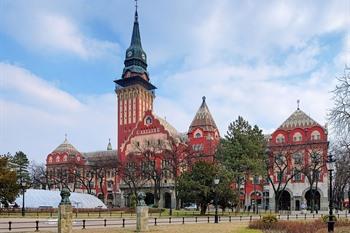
(149, 200)
(255, 197)
(284, 202)
(309, 199)
(167, 200)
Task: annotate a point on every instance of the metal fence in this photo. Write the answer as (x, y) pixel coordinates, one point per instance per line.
(13, 226)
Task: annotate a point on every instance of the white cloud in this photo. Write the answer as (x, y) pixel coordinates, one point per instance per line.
(46, 31)
(37, 116)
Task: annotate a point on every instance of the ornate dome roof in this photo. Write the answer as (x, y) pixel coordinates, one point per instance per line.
(203, 118)
(298, 119)
(66, 147)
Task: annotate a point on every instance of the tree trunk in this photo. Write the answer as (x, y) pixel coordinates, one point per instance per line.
(203, 208)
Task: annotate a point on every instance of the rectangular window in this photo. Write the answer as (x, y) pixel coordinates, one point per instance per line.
(297, 175)
(256, 180)
(279, 176)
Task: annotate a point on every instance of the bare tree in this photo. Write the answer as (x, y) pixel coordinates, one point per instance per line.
(39, 176)
(279, 165)
(340, 114)
(312, 169)
(151, 153)
(178, 157)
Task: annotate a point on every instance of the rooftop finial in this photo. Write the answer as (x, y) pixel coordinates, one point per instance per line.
(203, 98)
(298, 103)
(136, 15)
(65, 136)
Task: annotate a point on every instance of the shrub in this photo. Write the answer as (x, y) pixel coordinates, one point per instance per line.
(269, 219)
(326, 217)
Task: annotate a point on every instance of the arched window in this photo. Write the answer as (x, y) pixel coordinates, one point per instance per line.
(50, 159)
(198, 134)
(65, 158)
(148, 120)
(280, 138)
(315, 135)
(57, 158)
(297, 137)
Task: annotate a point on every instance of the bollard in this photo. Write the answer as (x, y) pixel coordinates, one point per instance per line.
(105, 222)
(229, 218)
(240, 218)
(183, 220)
(99, 214)
(83, 223)
(36, 225)
(287, 216)
(208, 219)
(296, 216)
(155, 221)
(10, 223)
(169, 219)
(123, 222)
(196, 219)
(250, 219)
(305, 216)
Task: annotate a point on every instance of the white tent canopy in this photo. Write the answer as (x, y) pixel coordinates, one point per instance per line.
(36, 198)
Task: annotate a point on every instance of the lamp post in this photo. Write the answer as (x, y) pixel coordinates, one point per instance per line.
(216, 182)
(331, 221)
(23, 185)
(171, 204)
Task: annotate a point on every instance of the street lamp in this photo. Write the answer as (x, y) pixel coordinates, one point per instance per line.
(216, 182)
(331, 221)
(171, 204)
(23, 185)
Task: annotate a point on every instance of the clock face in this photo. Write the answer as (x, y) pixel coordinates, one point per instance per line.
(143, 56)
(129, 54)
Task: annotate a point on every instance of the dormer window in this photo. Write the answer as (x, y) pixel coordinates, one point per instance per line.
(65, 158)
(50, 159)
(57, 158)
(315, 135)
(280, 138)
(148, 120)
(198, 133)
(297, 137)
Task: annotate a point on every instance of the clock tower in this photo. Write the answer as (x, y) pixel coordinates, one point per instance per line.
(134, 91)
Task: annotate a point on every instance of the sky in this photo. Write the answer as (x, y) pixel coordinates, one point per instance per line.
(58, 60)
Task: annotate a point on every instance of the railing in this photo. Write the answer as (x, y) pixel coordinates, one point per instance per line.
(13, 226)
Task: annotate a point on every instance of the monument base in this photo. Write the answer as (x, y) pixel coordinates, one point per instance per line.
(141, 219)
(65, 216)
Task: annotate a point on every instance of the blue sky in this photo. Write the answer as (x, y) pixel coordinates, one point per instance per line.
(58, 60)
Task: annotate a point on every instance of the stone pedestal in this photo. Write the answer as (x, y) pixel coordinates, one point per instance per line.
(141, 218)
(65, 213)
(65, 216)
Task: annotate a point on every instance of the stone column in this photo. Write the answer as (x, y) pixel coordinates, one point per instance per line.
(65, 213)
(141, 213)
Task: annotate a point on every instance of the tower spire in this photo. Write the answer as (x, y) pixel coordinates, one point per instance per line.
(135, 58)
